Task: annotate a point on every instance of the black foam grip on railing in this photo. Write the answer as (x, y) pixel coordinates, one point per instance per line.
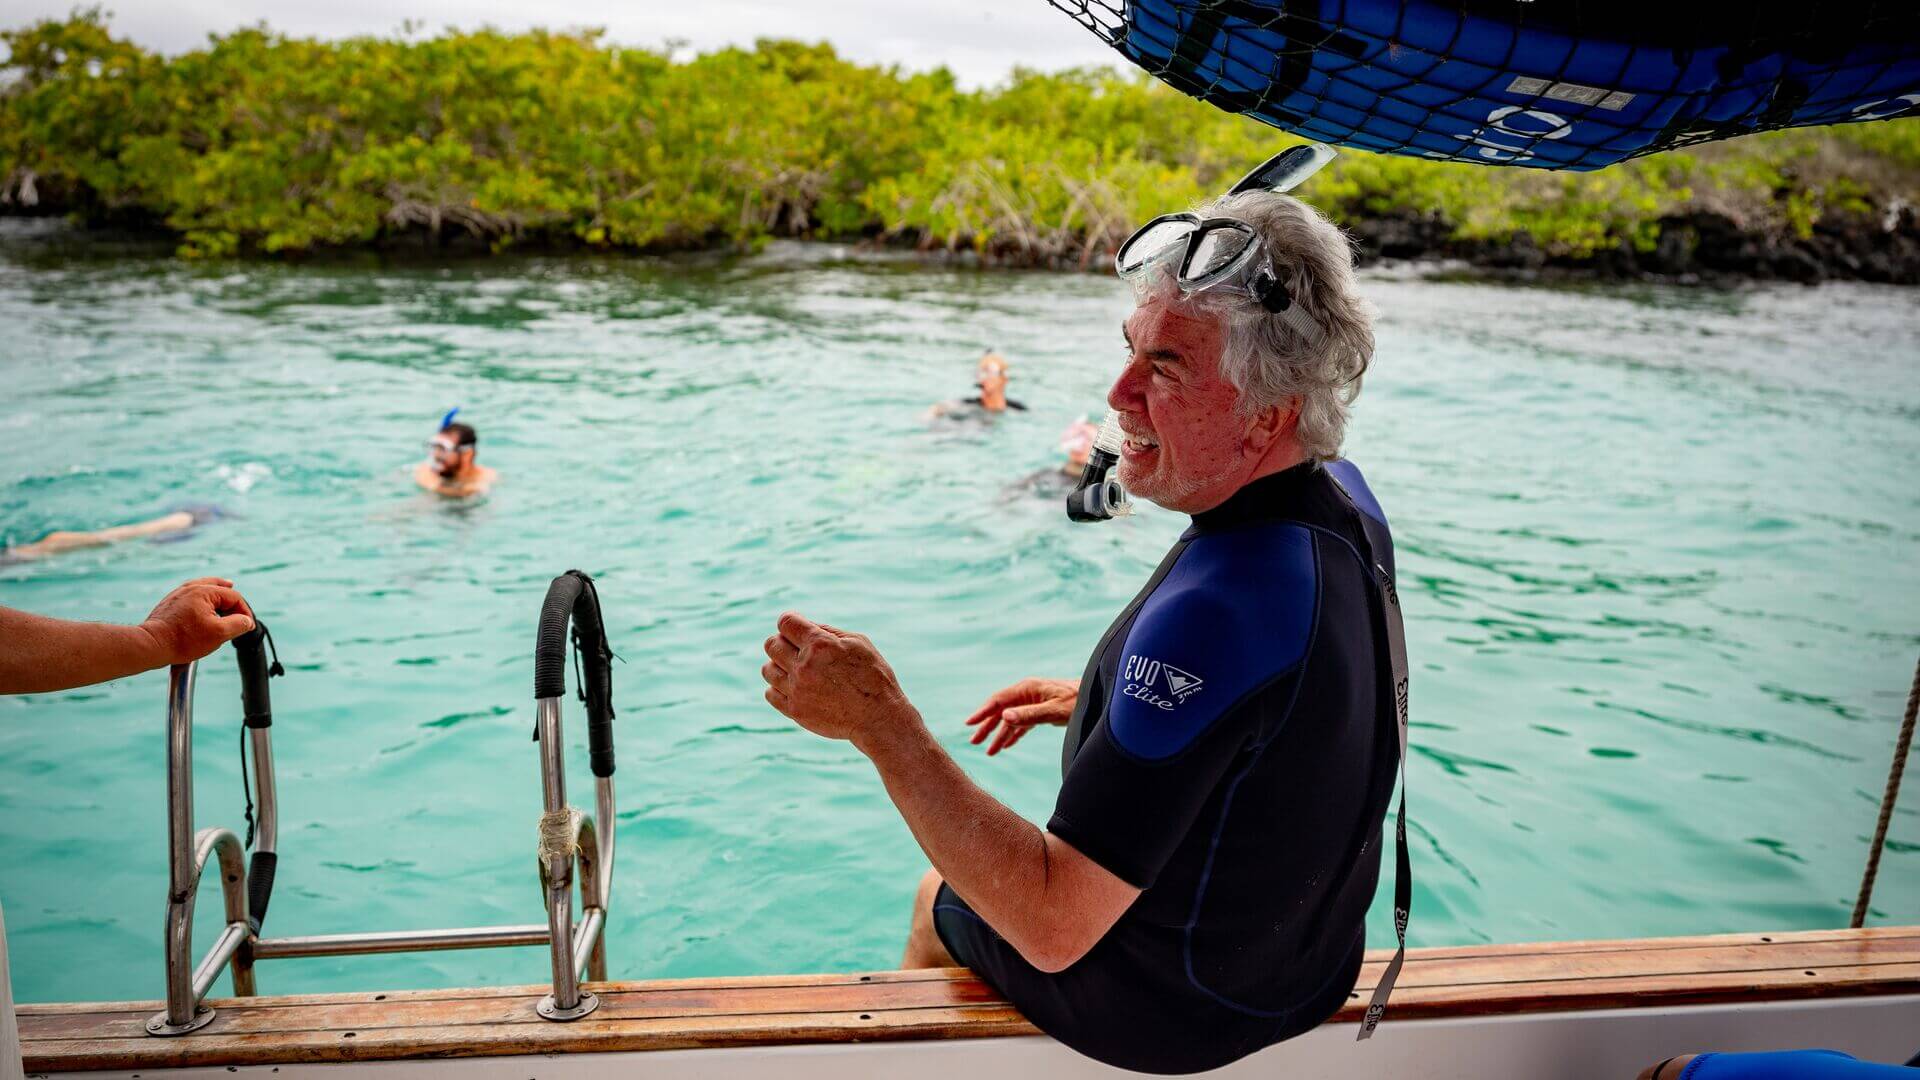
(550, 648)
(254, 700)
(572, 597)
(260, 886)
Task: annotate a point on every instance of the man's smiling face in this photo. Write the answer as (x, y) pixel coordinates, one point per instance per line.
(1185, 447)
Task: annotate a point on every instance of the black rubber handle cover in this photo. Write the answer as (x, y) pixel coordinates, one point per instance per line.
(572, 598)
(254, 701)
(260, 886)
(550, 648)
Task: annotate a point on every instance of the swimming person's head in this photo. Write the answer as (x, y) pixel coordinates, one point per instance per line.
(990, 375)
(1077, 443)
(451, 452)
(1245, 347)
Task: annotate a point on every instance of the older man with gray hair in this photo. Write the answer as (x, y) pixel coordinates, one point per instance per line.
(1201, 889)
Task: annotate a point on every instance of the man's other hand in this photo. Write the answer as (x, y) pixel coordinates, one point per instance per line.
(1009, 714)
(832, 682)
(195, 619)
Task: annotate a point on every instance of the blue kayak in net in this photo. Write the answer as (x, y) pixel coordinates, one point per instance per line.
(1552, 84)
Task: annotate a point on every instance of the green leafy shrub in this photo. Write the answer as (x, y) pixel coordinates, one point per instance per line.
(266, 144)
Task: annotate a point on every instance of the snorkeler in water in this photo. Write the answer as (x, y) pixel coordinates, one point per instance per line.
(450, 468)
(1056, 481)
(990, 375)
(176, 524)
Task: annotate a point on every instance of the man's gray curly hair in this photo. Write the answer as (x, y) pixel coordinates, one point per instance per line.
(1266, 357)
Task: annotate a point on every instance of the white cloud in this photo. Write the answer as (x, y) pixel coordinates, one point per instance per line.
(980, 42)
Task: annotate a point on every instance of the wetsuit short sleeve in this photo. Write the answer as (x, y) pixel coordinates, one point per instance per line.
(1204, 670)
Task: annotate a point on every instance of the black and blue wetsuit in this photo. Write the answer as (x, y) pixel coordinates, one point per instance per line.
(1231, 754)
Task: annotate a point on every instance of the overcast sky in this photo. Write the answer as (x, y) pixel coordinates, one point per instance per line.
(980, 40)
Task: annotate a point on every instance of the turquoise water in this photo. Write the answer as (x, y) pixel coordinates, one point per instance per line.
(1657, 546)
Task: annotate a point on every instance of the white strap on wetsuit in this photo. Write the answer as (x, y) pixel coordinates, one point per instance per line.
(1402, 865)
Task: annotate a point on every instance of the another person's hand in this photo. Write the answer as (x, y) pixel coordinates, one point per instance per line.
(832, 682)
(1009, 714)
(195, 619)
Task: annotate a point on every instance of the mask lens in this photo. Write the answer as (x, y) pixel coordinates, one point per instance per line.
(1215, 252)
(1150, 242)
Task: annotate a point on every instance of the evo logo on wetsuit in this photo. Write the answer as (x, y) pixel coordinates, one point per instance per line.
(1141, 673)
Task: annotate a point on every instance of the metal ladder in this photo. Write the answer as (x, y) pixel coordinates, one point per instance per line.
(567, 836)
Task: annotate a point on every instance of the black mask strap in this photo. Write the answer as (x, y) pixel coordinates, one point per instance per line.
(1272, 295)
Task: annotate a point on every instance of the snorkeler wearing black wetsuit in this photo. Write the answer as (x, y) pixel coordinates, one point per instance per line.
(1231, 754)
(990, 375)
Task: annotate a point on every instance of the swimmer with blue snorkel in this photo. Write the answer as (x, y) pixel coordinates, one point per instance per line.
(450, 469)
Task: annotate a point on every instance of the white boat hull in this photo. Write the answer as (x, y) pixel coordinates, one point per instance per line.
(1607, 1044)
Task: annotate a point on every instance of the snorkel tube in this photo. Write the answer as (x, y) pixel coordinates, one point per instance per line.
(1286, 170)
(1096, 497)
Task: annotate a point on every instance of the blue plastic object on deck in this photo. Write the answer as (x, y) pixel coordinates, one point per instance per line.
(1791, 1065)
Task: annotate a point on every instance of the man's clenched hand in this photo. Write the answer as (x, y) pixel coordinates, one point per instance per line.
(834, 683)
(195, 619)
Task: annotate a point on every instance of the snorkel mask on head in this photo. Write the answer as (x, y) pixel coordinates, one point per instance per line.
(1210, 254)
(1202, 255)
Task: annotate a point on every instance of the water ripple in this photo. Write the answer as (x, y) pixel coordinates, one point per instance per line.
(1656, 548)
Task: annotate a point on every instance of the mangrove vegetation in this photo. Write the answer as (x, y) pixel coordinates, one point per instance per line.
(264, 144)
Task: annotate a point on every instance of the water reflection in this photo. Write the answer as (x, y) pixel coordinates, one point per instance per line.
(1656, 544)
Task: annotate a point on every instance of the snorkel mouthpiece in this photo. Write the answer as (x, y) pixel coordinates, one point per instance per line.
(1097, 498)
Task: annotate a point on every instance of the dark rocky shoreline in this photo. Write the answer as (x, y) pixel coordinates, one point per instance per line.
(1700, 246)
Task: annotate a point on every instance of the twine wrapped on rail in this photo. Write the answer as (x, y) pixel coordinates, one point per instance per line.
(559, 830)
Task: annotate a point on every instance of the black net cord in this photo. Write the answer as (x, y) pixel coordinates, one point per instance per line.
(1900, 749)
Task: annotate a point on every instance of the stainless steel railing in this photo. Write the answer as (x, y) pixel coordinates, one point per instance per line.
(187, 854)
(580, 841)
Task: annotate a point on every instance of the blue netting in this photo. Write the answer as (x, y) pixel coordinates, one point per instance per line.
(1553, 85)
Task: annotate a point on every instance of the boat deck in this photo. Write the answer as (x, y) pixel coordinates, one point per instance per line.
(940, 1004)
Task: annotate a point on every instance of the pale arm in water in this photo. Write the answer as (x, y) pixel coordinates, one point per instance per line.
(56, 542)
(40, 654)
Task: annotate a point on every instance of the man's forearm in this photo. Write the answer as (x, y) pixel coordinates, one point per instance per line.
(39, 654)
(994, 857)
